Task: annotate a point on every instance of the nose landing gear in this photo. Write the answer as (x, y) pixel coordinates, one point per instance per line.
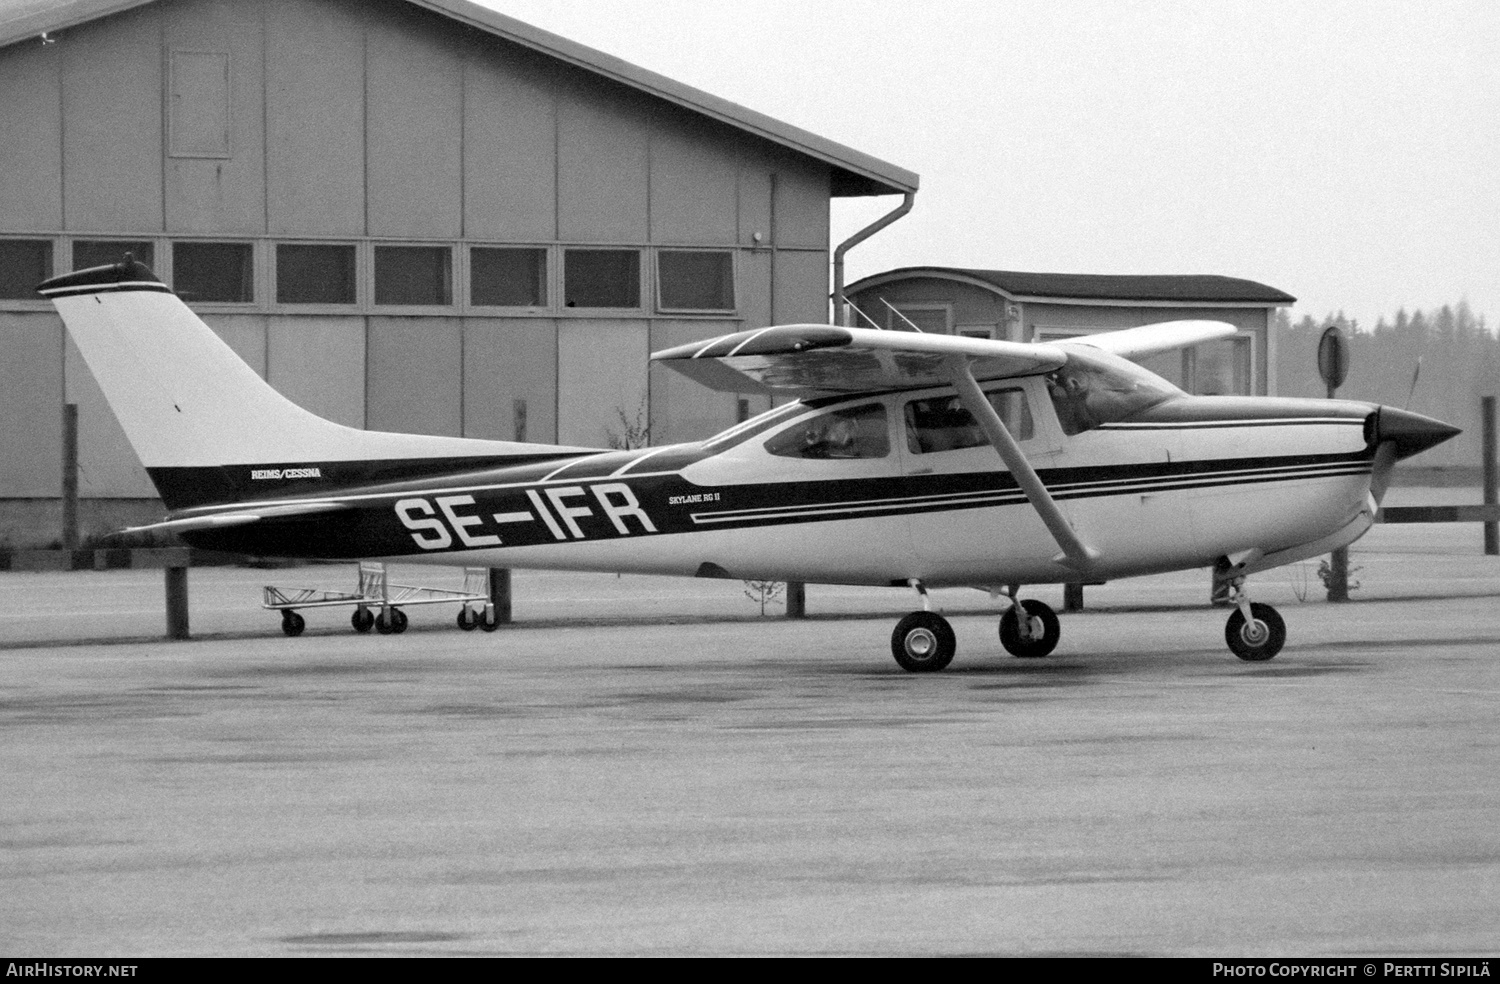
(1254, 632)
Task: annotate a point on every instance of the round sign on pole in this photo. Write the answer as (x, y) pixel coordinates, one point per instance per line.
(1333, 358)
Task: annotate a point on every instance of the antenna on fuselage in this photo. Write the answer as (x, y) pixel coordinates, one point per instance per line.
(902, 316)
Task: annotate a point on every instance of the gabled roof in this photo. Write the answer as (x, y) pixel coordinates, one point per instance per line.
(854, 173)
(1095, 288)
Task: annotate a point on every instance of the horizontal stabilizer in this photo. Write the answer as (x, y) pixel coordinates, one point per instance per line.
(1163, 336)
(825, 359)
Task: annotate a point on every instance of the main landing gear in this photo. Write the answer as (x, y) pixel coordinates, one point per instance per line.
(923, 641)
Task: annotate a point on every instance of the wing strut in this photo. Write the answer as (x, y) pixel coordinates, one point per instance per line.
(1075, 553)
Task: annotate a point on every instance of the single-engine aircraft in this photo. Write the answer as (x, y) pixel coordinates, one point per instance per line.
(906, 459)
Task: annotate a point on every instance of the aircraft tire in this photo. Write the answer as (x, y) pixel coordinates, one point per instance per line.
(292, 623)
(468, 619)
(385, 622)
(923, 642)
(1257, 641)
(362, 619)
(1010, 630)
(398, 621)
(489, 619)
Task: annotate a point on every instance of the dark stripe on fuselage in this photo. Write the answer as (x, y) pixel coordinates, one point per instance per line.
(428, 518)
(197, 487)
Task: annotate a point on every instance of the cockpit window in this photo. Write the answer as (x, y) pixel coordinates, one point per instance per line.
(849, 432)
(1094, 388)
(942, 424)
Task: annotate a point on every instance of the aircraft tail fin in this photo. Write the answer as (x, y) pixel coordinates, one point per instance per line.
(205, 425)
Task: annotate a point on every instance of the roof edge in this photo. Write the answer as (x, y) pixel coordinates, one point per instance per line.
(882, 177)
(1256, 294)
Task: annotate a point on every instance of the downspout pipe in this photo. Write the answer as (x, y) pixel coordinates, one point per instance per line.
(840, 310)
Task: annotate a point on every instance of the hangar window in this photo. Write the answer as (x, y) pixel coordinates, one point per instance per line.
(695, 280)
(24, 263)
(503, 277)
(218, 272)
(602, 278)
(932, 319)
(414, 275)
(101, 252)
(315, 273)
(849, 432)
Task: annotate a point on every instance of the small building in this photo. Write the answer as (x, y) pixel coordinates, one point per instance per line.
(406, 215)
(1025, 307)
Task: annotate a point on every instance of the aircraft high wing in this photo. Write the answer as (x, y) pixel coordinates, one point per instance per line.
(903, 459)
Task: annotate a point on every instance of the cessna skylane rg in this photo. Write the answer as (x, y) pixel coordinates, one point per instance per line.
(906, 459)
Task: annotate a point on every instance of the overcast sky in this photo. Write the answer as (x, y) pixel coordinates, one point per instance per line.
(1345, 151)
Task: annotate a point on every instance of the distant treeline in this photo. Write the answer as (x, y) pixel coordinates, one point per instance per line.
(1460, 362)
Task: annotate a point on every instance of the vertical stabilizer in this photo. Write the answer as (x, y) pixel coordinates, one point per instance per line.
(188, 403)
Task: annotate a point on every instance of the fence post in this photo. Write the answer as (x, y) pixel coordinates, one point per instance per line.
(70, 477)
(177, 602)
(500, 594)
(796, 599)
(1072, 597)
(1487, 421)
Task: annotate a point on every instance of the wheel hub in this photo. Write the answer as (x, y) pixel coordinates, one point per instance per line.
(1255, 632)
(920, 643)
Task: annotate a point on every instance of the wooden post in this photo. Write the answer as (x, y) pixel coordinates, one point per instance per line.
(177, 602)
(500, 594)
(1487, 421)
(70, 477)
(1072, 597)
(1338, 561)
(796, 599)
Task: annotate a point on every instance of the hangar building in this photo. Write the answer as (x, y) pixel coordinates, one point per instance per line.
(1024, 307)
(411, 215)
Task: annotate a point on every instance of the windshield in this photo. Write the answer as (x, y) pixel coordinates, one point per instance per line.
(1094, 388)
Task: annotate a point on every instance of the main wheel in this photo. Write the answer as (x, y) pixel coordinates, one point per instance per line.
(1258, 639)
(489, 618)
(468, 619)
(292, 623)
(1038, 645)
(398, 621)
(923, 643)
(363, 620)
(385, 621)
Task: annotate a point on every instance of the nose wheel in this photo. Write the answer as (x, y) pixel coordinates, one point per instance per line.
(1254, 632)
(1258, 637)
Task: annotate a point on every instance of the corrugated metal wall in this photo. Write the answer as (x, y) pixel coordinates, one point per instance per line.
(367, 123)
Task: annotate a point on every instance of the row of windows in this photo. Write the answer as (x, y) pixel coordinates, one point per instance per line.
(1091, 389)
(687, 280)
(932, 425)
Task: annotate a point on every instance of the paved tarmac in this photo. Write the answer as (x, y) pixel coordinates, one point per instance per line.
(645, 766)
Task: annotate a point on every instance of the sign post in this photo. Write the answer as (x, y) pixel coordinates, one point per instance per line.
(1333, 366)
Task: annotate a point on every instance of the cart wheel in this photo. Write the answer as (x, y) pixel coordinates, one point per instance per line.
(292, 623)
(468, 620)
(489, 619)
(398, 621)
(385, 622)
(363, 619)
